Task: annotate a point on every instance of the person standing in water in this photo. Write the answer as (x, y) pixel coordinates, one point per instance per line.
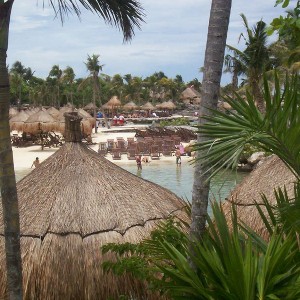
(138, 162)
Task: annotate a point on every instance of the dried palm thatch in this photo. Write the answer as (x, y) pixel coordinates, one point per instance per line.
(86, 116)
(66, 108)
(70, 205)
(147, 106)
(17, 122)
(114, 101)
(53, 112)
(39, 122)
(190, 95)
(13, 112)
(170, 105)
(130, 106)
(271, 174)
(90, 106)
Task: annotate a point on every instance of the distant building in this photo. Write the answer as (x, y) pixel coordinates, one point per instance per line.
(190, 96)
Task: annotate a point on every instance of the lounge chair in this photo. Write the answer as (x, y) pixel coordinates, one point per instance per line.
(110, 144)
(154, 153)
(121, 144)
(131, 153)
(102, 150)
(116, 154)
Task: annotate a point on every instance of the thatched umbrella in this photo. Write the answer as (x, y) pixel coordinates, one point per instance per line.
(53, 112)
(70, 205)
(170, 105)
(147, 106)
(66, 108)
(39, 122)
(13, 112)
(130, 106)
(17, 122)
(90, 107)
(114, 102)
(190, 95)
(271, 174)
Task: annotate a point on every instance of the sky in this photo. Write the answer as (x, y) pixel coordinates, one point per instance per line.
(172, 39)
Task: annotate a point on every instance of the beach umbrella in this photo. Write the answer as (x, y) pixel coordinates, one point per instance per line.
(114, 102)
(130, 106)
(17, 122)
(90, 106)
(271, 174)
(53, 112)
(39, 122)
(66, 109)
(190, 95)
(170, 105)
(13, 112)
(148, 106)
(70, 205)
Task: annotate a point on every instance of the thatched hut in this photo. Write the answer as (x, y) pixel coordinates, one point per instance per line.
(130, 106)
(39, 122)
(267, 177)
(190, 96)
(90, 107)
(53, 112)
(12, 112)
(148, 106)
(17, 122)
(70, 205)
(114, 102)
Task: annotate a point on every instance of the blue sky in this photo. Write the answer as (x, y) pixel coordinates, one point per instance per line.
(172, 40)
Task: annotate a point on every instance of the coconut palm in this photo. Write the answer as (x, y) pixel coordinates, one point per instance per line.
(254, 60)
(68, 77)
(94, 67)
(214, 56)
(123, 14)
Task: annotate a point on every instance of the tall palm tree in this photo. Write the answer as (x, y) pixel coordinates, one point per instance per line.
(255, 58)
(125, 14)
(94, 67)
(213, 63)
(68, 77)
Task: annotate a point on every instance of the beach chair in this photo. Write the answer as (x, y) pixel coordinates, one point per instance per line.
(121, 144)
(130, 141)
(131, 153)
(110, 144)
(102, 150)
(167, 150)
(154, 153)
(116, 154)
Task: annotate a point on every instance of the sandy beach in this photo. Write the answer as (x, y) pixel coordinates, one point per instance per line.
(24, 156)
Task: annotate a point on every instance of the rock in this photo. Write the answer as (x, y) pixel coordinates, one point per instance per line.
(256, 157)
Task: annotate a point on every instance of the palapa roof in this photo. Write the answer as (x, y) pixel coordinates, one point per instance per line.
(53, 112)
(17, 122)
(90, 106)
(130, 105)
(270, 175)
(148, 106)
(39, 121)
(70, 205)
(114, 101)
(191, 94)
(12, 112)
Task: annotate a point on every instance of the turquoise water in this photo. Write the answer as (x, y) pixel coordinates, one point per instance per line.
(179, 179)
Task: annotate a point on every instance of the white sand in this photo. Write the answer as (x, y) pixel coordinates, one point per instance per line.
(23, 157)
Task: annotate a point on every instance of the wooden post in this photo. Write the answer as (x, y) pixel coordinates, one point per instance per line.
(72, 127)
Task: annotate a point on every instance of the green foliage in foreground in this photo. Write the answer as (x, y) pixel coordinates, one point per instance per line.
(175, 122)
(232, 262)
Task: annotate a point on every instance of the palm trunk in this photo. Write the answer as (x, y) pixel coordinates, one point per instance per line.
(95, 78)
(257, 94)
(214, 57)
(7, 175)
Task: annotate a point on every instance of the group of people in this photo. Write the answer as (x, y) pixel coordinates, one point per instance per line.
(139, 159)
(118, 120)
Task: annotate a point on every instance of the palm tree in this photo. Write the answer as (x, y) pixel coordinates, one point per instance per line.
(214, 56)
(68, 77)
(54, 80)
(254, 59)
(125, 14)
(94, 67)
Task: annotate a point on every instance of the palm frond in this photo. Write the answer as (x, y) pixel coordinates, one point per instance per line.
(124, 14)
(277, 131)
